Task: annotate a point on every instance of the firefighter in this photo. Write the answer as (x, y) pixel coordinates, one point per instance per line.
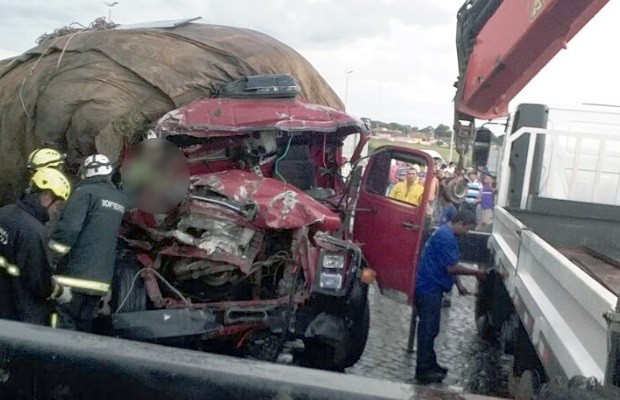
(26, 285)
(84, 242)
(45, 158)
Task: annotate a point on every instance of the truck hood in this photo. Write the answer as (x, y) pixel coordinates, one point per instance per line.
(226, 117)
(280, 205)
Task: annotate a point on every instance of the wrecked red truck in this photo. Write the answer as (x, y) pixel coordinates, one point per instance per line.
(272, 243)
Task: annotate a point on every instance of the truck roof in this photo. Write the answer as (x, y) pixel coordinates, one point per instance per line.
(226, 117)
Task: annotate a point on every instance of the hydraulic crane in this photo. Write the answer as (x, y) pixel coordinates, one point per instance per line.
(501, 45)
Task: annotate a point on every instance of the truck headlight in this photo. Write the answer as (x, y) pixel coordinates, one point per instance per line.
(332, 270)
(333, 261)
(330, 281)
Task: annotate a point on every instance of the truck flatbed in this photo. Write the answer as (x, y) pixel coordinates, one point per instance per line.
(604, 270)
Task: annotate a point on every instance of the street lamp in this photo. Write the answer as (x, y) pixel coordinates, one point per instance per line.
(346, 88)
(110, 5)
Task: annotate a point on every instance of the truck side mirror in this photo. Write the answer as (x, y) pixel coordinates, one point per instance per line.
(482, 144)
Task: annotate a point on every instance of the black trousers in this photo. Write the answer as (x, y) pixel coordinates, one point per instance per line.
(78, 314)
(429, 311)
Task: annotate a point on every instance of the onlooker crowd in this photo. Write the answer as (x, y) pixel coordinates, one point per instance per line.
(480, 196)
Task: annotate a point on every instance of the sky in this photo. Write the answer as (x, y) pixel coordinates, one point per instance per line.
(401, 52)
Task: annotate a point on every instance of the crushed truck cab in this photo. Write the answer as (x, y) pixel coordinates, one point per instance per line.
(264, 248)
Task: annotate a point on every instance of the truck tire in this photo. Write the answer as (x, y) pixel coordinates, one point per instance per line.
(527, 386)
(336, 357)
(358, 336)
(486, 331)
(124, 273)
(528, 372)
(320, 355)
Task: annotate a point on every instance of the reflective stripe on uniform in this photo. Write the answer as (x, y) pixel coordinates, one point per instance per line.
(54, 320)
(11, 269)
(82, 284)
(59, 247)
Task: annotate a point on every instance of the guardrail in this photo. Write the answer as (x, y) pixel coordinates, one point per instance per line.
(44, 363)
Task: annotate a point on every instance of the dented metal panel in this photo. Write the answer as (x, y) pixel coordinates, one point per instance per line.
(229, 117)
(280, 205)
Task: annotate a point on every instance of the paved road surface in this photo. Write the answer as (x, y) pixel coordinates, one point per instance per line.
(475, 366)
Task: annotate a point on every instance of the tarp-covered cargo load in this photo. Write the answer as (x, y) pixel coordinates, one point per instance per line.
(92, 90)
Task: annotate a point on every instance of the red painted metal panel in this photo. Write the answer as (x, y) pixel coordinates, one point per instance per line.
(280, 205)
(225, 117)
(390, 247)
(514, 45)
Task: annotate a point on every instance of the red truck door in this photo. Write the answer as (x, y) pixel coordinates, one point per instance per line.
(390, 231)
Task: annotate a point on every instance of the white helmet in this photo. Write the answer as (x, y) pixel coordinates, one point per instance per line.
(97, 165)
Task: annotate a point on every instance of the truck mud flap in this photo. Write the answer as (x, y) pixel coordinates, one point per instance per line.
(39, 363)
(169, 323)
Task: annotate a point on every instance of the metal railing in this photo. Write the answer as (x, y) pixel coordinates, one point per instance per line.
(534, 132)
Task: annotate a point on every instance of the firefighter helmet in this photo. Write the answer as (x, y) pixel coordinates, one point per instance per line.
(97, 165)
(45, 158)
(52, 180)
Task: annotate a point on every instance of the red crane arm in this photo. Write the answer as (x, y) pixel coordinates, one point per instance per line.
(508, 49)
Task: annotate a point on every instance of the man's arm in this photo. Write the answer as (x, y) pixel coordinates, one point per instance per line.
(395, 191)
(458, 269)
(417, 200)
(461, 288)
(70, 224)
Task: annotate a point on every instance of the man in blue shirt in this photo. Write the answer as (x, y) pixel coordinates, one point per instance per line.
(436, 272)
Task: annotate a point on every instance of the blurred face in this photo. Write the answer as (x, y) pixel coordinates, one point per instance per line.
(473, 176)
(412, 175)
(55, 207)
(488, 180)
(51, 203)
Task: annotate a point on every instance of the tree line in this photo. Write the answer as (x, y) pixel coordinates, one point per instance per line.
(440, 131)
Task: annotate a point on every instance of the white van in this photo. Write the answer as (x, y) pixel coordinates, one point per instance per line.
(436, 157)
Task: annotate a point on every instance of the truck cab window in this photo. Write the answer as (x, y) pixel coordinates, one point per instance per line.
(398, 178)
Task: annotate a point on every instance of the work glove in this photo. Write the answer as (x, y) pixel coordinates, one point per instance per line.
(61, 294)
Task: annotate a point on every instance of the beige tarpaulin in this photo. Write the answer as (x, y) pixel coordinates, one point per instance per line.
(90, 91)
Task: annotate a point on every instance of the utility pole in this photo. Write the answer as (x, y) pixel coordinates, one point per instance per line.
(346, 88)
(379, 101)
(110, 5)
(451, 144)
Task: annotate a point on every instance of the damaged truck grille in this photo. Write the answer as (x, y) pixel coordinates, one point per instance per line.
(224, 242)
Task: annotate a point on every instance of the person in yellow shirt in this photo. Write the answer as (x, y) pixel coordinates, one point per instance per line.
(409, 189)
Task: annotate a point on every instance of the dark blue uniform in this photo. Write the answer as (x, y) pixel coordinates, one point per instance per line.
(86, 237)
(440, 252)
(25, 271)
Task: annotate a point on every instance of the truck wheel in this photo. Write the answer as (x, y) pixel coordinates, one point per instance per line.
(485, 330)
(528, 385)
(124, 273)
(320, 354)
(484, 308)
(358, 336)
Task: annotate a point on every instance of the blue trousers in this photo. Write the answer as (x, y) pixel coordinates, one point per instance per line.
(429, 313)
